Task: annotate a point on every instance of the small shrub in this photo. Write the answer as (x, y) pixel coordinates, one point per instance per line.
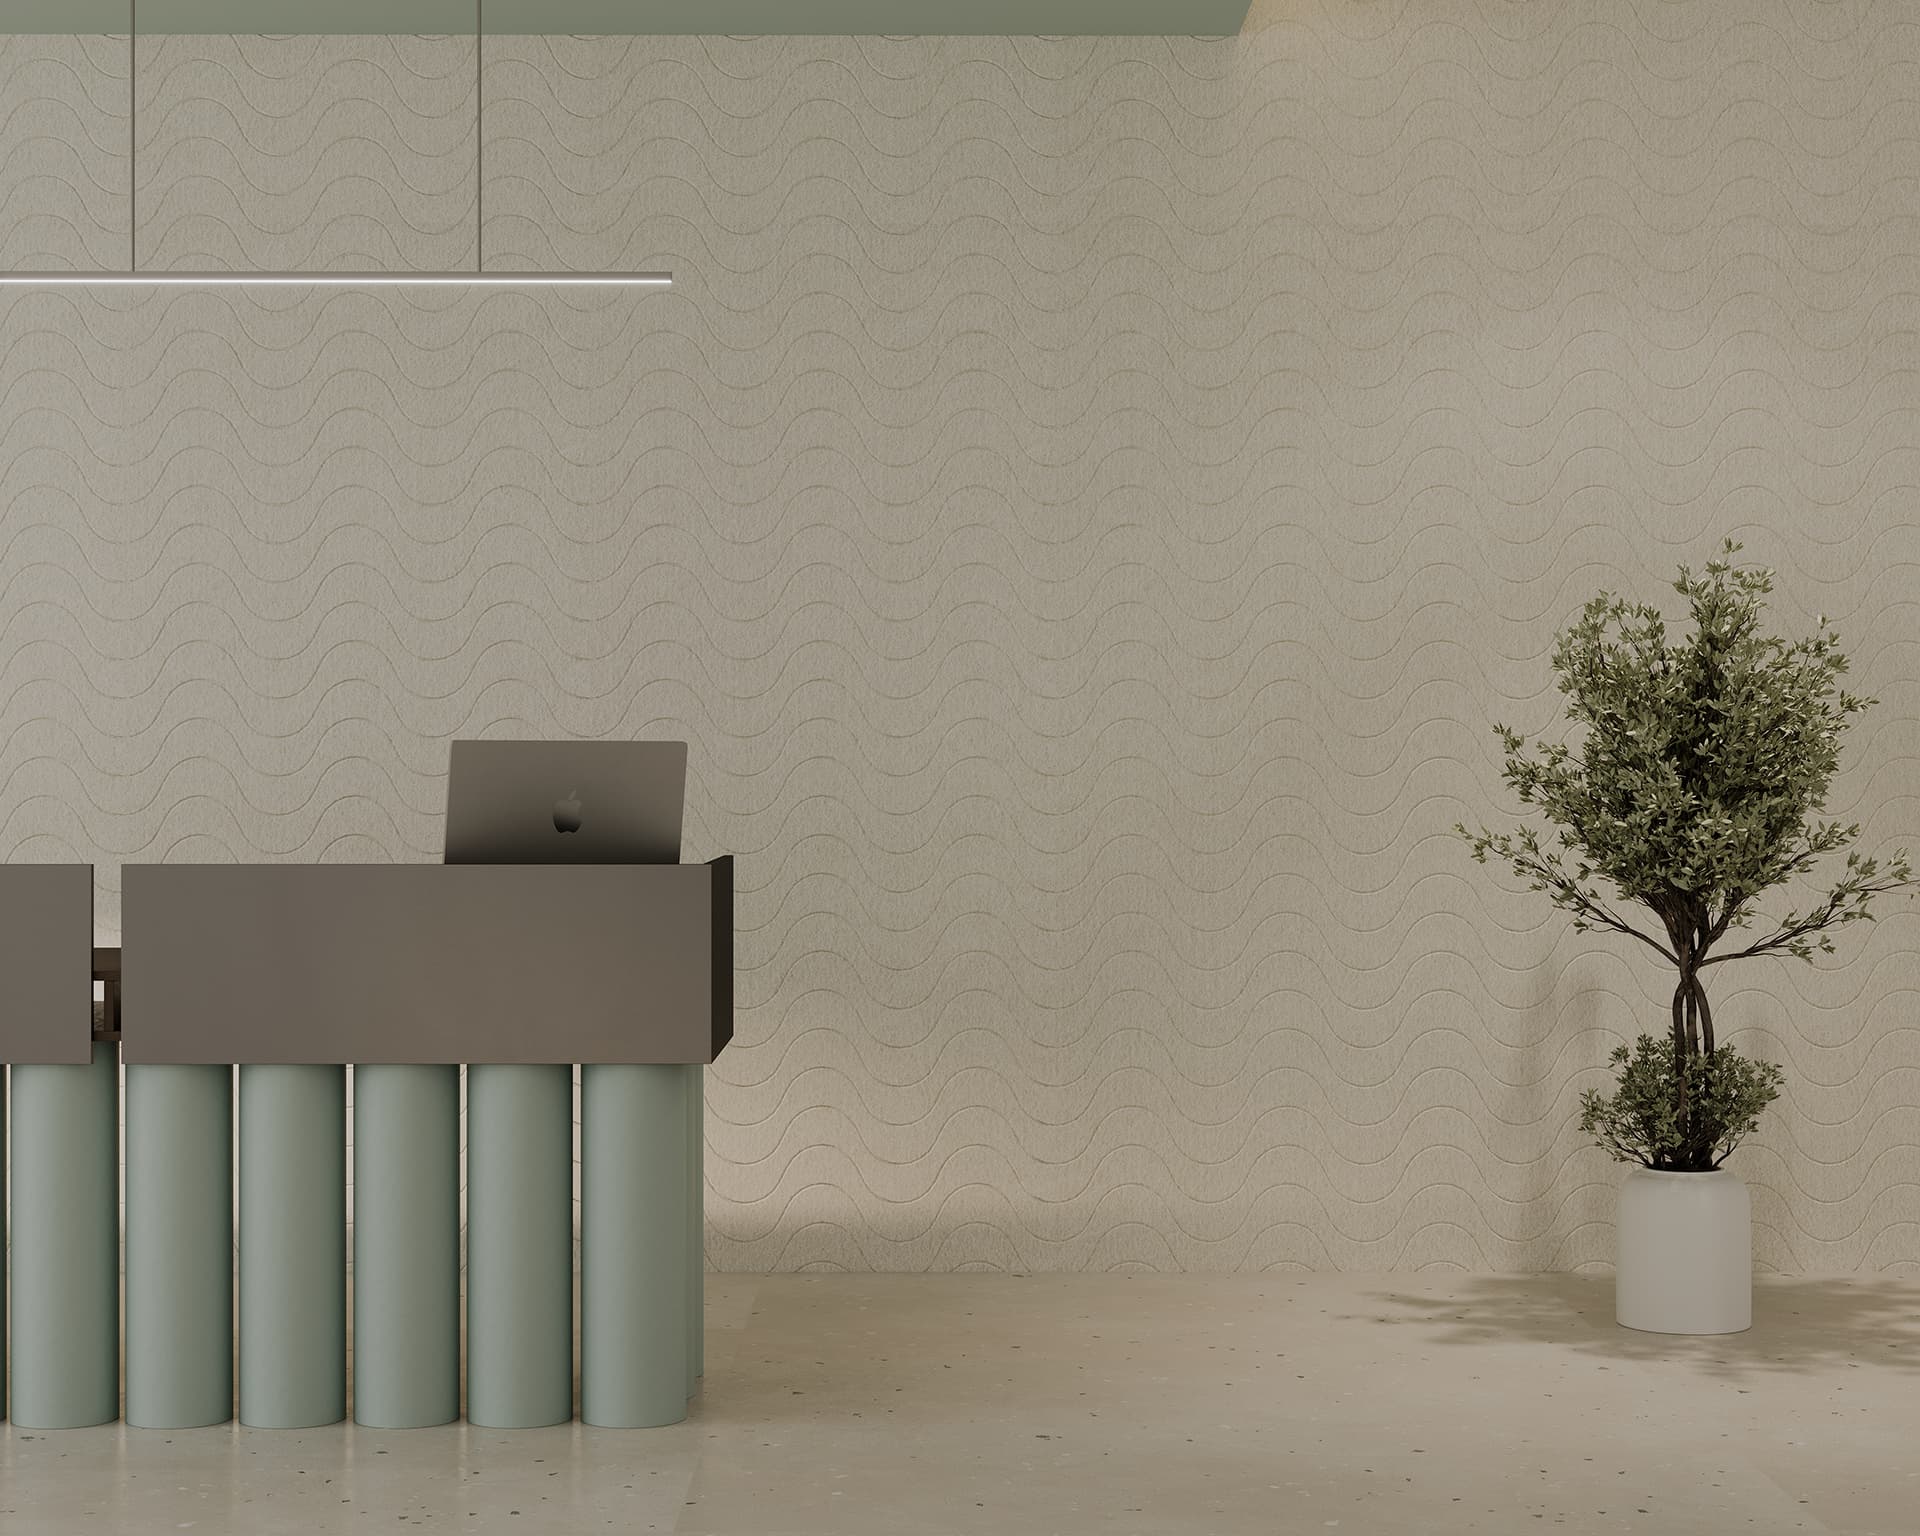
(1641, 1122)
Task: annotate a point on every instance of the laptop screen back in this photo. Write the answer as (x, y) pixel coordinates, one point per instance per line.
(565, 802)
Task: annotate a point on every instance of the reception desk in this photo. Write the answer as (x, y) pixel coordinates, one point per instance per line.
(240, 999)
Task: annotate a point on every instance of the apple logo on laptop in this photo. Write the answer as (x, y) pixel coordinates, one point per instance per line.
(566, 813)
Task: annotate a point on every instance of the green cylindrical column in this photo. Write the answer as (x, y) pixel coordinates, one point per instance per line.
(293, 1246)
(65, 1303)
(696, 1223)
(519, 1245)
(3, 1244)
(406, 1245)
(179, 1245)
(634, 1338)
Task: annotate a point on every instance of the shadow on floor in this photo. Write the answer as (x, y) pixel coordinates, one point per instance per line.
(1799, 1321)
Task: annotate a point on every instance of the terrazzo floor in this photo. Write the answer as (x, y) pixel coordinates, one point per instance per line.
(850, 1404)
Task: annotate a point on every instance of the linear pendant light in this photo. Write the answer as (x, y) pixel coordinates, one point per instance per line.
(171, 279)
(133, 277)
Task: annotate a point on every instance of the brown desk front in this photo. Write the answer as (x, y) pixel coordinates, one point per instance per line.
(387, 963)
(46, 963)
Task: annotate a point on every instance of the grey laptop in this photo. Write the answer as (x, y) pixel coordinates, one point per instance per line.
(565, 802)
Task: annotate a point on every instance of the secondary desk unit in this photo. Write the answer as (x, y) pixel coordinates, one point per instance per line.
(285, 976)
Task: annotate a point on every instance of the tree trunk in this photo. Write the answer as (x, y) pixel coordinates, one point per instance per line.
(1705, 1159)
(1690, 982)
(1690, 1129)
(1680, 1047)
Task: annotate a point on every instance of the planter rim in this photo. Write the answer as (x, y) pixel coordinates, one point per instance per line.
(1682, 1173)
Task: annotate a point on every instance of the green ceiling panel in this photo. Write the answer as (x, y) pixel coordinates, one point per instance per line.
(245, 16)
(1181, 18)
(63, 16)
(1184, 18)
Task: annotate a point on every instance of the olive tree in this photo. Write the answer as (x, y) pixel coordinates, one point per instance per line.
(1694, 790)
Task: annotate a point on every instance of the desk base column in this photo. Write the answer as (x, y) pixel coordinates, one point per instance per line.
(406, 1245)
(696, 1224)
(66, 1243)
(633, 1245)
(293, 1246)
(519, 1245)
(179, 1245)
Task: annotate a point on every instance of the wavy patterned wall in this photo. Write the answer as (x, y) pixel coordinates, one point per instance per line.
(64, 127)
(306, 154)
(1084, 501)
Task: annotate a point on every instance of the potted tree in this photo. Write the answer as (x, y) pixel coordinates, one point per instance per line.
(1691, 794)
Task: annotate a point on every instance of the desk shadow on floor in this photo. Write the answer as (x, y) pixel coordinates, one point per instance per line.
(1799, 1321)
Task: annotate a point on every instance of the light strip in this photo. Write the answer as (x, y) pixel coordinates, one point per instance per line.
(336, 279)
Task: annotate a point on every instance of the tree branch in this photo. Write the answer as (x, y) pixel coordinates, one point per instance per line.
(1544, 871)
(1591, 907)
(1820, 918)
(1608, 920)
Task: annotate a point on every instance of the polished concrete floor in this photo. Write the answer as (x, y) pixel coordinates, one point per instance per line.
(1019, 1405)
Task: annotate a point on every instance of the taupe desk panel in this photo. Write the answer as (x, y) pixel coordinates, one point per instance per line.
(422, 962)
(46, 963)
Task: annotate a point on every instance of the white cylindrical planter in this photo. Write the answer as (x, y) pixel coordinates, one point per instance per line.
(1684, 1256)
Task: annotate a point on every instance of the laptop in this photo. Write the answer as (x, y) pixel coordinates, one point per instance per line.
(565, 802)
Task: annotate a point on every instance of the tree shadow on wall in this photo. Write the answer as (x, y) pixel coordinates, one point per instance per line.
(1800, 1322)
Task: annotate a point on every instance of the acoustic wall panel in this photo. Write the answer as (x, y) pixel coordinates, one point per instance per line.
(1085, 503)
(1165, 464)
(306, 153)
(63, 152)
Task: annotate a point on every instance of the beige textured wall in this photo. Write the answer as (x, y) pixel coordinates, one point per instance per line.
(1083, 500)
